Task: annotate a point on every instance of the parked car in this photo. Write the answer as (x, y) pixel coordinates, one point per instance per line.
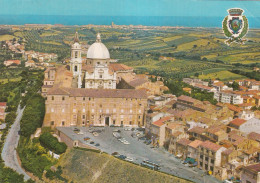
(92, 142)
(122, 157)
(86, 138)
(97, 144)
(80, 133)
(142, 138)
(114, 153)
(126, 143)
(129, 159)
(76, 130)
(117, 130)
(95, 134)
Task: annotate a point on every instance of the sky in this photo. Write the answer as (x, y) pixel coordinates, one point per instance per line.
(128, 7)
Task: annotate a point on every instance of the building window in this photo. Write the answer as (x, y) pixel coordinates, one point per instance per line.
(206, 159)
(139, 117)
(62, 123)
(211, 168)
(76, 68)
(63, 110)
(84, 110)
(83, 116)
(130, 123)
(122, 122)
(84, 98)
(52, 122)
(100, 105)
(52, 110)
(100, 76)
(52, 97)
(63, 98)
(76, 54)
(74, 116)
(212, 161)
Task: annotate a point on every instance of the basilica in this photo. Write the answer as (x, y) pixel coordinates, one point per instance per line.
(94, 91)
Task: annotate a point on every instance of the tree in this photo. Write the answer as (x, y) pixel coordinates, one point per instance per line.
(235, 85)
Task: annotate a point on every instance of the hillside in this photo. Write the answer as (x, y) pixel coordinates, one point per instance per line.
(86, 166)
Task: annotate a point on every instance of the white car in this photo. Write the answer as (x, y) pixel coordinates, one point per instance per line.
(80, 133)
(129, 159)
(95, 134)
(126, 142)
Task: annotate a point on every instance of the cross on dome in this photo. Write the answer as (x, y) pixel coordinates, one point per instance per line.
(98, 38)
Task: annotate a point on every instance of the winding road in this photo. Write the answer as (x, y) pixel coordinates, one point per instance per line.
(9, 154)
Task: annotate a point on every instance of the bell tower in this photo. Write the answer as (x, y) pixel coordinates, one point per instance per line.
(76, 60)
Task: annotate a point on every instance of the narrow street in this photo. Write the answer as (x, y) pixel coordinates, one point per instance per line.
(9, 150)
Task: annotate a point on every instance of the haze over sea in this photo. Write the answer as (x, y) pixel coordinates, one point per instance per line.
(186, 21)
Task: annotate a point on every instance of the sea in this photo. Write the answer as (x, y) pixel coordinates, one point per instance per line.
(185, 21)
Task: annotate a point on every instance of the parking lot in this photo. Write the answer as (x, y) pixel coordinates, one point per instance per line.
(136, 150)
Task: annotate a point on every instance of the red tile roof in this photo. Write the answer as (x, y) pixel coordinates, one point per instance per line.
(195, 143)
(210, 145)
(3, 104)
(184, 141)
(99, 93)
(238, 122)
(162, 121)
(254, 168)
(186, 98)
(197, 129)
(254, 136)
(119, 67)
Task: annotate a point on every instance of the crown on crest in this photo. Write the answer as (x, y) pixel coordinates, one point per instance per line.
(235, 11)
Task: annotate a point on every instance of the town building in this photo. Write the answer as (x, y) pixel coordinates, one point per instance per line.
(3, 106)
(12, 62)
(84, 93)
(251, 174)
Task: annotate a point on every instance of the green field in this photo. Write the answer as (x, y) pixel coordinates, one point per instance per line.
(222, 75)
(194, 50)
(87, 166)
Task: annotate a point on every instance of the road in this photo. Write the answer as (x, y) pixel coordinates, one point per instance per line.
(139, 152)
(9, 154)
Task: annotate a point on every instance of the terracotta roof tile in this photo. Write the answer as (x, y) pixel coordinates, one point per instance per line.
(184, 141)
(98, 93)
(162, 121)
(237, 122)
(3, 104)
(254, 136)
(195, 143)
(210, 145)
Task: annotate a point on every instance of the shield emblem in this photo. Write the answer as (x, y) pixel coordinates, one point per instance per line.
(235, 24)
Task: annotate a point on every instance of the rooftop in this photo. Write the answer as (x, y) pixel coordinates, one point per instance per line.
(195, 143)
(184, 141)
(210, 145)
(237, 122)
(99, 93)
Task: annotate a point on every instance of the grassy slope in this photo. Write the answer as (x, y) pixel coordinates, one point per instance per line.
(85, 166)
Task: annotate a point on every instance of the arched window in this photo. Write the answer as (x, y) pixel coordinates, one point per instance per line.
(76, 54)
(76, 68)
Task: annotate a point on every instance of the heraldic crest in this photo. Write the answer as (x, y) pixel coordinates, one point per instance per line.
(235, 26)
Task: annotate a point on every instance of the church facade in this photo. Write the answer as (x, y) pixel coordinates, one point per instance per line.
(85, 94)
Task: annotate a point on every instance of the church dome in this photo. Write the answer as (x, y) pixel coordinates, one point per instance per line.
(98, 50)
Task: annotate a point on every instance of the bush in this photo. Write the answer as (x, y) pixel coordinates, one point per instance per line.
(52, 143)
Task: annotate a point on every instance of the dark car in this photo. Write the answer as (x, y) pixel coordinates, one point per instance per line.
(97, 144)
(115, 153)
(76, 130)
(122, 157)
(92, 142)
(142, 138)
